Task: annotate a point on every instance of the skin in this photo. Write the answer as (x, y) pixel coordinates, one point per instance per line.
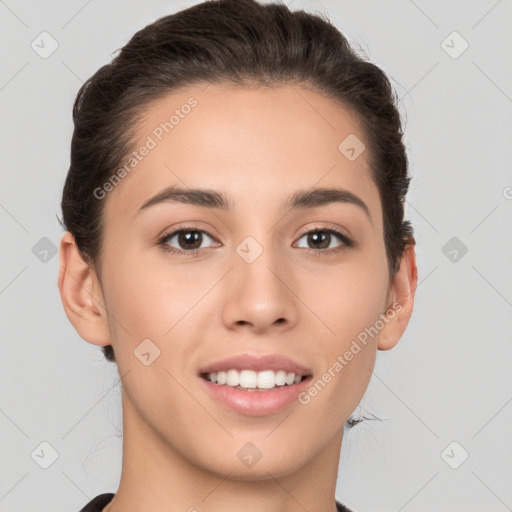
(180, 445)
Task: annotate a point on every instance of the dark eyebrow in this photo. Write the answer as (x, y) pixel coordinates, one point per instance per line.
(194, 196)
(302, 199)
(322, 196)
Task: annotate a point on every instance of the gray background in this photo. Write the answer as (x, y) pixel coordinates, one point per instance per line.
(449, 378)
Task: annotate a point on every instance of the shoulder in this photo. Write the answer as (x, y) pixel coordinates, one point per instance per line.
(97, 504)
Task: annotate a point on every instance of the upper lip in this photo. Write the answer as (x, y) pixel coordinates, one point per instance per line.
(256, 363)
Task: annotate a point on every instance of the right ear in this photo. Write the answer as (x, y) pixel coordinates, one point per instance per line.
(81, 294)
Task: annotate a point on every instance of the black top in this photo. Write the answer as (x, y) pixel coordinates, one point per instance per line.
(99, 503)
(102, 500)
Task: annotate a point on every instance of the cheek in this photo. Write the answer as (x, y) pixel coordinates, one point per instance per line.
(149, 298)
(348, 297)
(357, 306)
(349, 302)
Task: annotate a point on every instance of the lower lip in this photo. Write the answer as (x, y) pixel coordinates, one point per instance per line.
(256, 403)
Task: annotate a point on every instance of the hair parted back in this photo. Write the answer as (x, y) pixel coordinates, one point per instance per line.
(247, 44)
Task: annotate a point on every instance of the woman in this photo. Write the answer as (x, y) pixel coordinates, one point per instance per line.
(235, 241)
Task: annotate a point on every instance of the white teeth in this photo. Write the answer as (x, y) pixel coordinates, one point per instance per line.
(280, 378)
(290, 378)
(249, 379)
(266, 379)
(232, 378)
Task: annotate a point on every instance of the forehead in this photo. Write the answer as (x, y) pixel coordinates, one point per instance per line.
(255, 144)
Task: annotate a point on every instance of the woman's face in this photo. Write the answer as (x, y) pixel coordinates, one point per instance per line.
(256, 284)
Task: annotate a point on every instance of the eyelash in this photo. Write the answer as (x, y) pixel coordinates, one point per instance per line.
(347, 242)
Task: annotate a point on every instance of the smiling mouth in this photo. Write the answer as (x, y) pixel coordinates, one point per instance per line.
(251, 381)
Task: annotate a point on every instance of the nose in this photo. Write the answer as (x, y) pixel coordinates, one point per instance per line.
(259, 294)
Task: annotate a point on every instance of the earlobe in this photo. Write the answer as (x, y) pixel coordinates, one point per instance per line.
(81, 294)
(401, 303)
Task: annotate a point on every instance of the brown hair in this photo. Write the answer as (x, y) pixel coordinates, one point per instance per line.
(247, 44)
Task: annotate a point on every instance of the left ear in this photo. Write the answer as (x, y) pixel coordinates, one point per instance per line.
(400, 300)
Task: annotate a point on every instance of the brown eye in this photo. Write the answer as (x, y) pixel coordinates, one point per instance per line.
(188, 240)
(322, 239)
